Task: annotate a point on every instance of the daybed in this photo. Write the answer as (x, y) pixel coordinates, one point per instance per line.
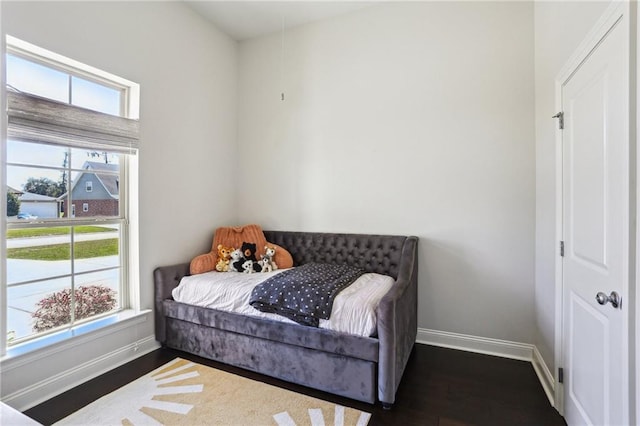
(362, 368)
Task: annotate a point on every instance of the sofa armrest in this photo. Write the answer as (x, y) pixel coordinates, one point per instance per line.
(398, 323)
(165, 279)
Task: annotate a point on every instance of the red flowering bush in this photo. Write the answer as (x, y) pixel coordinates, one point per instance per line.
(55, 309)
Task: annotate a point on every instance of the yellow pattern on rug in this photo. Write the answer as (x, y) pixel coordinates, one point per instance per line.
(186, 393)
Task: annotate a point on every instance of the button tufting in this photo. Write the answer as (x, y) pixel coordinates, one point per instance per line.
(375, 253)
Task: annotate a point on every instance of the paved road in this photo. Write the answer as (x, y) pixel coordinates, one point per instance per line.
(58, 239)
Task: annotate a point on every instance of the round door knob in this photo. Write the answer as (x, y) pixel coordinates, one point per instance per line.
(602, 298)
(614, 298)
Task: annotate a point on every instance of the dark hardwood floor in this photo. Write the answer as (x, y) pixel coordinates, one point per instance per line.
(440, 387)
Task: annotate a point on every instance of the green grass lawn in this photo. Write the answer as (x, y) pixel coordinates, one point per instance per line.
(83, 250)
(60, 230)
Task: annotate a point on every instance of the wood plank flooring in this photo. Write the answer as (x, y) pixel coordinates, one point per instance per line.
(440, 386)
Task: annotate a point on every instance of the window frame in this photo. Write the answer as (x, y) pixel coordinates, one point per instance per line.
(131, 98)
(129, 108)
(74, 68)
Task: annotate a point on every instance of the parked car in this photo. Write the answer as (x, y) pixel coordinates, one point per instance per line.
(26, 216)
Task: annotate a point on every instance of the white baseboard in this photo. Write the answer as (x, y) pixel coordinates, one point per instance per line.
(55, 385)
(482, 345)
(544, 375)
(496, 347)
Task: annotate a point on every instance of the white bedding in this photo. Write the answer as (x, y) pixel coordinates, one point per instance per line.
(354, 309)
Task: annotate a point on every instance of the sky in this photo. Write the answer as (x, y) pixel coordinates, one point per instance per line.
(31, 77)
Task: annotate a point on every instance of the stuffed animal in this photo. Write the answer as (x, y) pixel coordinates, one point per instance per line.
(247, 266)
(266, 266)
(266, 259)
(249, 253)
(235, 264)
(223, 258)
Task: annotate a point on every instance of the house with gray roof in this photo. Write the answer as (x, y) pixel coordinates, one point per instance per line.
(95, 191)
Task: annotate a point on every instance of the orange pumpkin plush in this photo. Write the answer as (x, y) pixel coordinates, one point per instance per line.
(234, 237)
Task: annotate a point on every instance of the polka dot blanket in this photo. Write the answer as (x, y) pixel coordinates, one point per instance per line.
(304, 294)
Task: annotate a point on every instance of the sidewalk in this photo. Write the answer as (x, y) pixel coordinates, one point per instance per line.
(58, 239)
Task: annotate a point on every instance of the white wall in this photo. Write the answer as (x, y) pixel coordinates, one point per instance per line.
(405, 118)
(187, 71)
(559, 28)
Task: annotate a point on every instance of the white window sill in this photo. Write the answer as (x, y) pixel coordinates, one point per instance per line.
(42, 347)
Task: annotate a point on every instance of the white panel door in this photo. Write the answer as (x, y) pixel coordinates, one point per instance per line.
(596, 234)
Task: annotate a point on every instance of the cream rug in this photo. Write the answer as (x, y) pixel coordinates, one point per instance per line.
(185, 393)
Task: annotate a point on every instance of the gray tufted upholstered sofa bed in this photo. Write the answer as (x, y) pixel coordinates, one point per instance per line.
(362, 368)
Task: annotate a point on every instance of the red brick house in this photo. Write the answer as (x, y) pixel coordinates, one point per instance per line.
(94, 192)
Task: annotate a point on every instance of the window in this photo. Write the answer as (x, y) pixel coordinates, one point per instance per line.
(75, 268)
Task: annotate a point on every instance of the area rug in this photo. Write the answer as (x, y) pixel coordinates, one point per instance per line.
(186, 393)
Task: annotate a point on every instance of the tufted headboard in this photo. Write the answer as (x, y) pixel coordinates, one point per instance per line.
(374, 253)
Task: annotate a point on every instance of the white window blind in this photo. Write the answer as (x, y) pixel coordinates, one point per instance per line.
(35, 119)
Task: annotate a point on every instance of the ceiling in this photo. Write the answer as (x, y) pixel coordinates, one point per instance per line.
(243, 20)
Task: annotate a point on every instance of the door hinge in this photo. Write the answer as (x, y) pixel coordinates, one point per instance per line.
(562, 248)
(560, 375)
(560, 117)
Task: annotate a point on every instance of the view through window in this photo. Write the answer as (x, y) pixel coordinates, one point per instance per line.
(66, 209)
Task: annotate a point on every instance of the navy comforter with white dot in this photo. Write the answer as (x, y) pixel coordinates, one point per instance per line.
(304, 294)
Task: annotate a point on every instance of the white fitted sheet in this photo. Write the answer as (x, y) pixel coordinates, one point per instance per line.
(354, 309)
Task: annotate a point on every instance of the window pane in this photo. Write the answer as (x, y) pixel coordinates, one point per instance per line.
(36, 154)
(31, 179)
(97, 268)
(97, 97)
(37, 307)
(37, 79)
(34, 254)
(37, 192)
(38, 253)
(96, 247)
